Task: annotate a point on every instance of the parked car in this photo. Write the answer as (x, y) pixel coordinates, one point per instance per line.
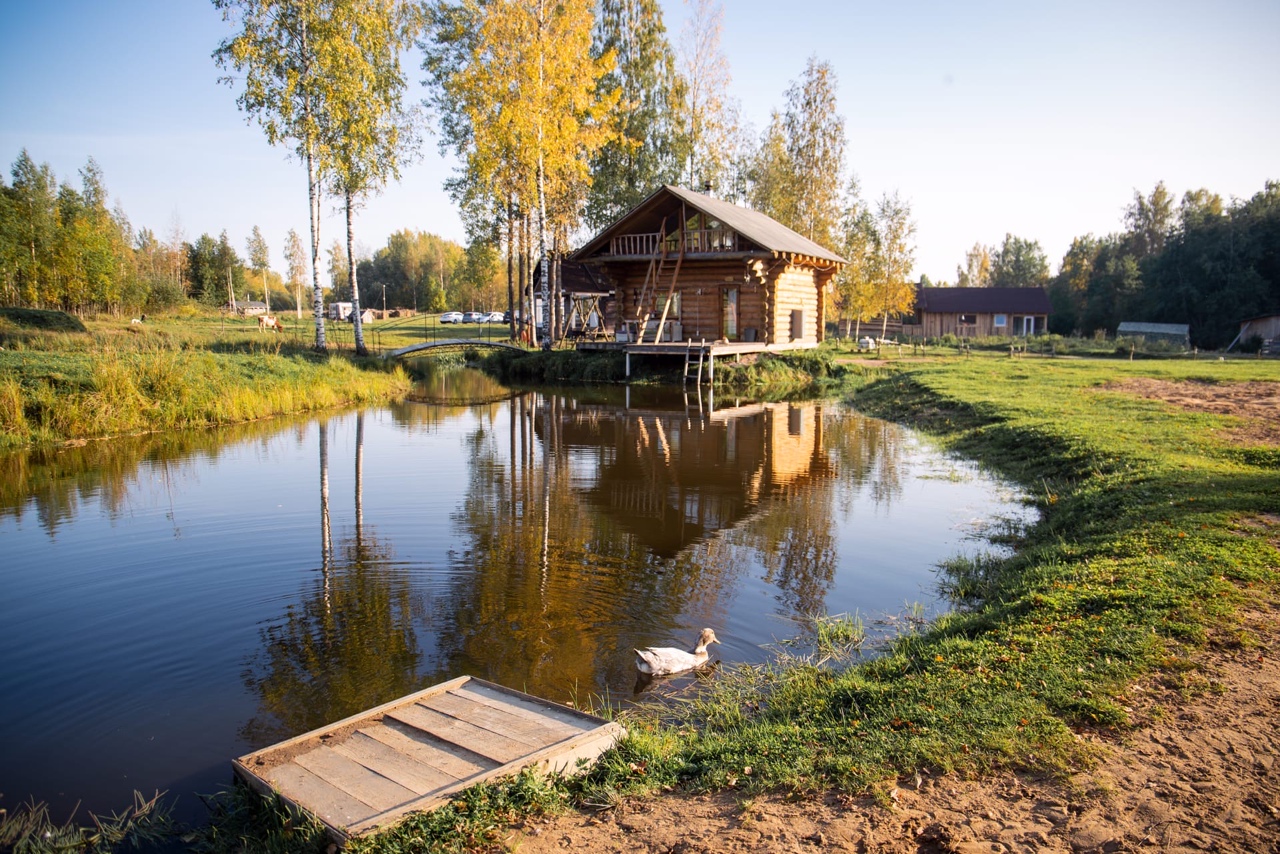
(494, 317)
(451, 317)
(473, 317)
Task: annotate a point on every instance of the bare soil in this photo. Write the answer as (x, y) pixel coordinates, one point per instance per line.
(1257, 404)
(1199, 770)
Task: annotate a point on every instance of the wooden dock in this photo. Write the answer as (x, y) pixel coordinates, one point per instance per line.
(367, 772)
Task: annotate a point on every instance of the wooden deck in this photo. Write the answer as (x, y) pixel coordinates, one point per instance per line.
(369, 771)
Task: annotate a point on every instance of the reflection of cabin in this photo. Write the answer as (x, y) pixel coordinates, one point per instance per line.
(691, 268)
(980, 312)
(729, 462)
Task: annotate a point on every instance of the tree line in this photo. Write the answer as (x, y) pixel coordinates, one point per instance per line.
(62, 247)
(1198, 261)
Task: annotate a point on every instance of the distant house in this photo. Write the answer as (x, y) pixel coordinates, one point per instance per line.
(367, 315)
(249, 308)
(980, 312)
(689, 267)
(1177, 334)
(339, 310)
(1266, 328)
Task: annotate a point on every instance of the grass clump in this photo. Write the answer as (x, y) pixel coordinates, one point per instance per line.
(30, 830)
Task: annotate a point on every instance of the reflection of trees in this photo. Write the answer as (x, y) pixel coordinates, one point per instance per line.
(349, 643)
(870, 453)
(55, 482)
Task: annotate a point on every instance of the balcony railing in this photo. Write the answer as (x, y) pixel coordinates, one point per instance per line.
(695, 241)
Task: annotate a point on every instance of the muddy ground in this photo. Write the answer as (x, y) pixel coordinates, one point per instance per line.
(1199, 771)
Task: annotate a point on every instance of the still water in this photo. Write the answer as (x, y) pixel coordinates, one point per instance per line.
(173, 601)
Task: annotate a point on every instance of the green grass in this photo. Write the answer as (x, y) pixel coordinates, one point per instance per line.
(118, 378)
(1149, 542)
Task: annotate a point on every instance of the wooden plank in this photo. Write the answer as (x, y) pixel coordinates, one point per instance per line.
(353, 778)
(532, 733)
(249, 758)
(527, 706)
(562, 757)
(473, 738)
(392, 764)
(312, 793)
(443, 756)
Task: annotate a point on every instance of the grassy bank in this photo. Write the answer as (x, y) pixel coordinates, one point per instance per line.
(61, 384)
(1153, 532)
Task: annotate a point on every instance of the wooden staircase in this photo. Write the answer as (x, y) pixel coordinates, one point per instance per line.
(662, 272)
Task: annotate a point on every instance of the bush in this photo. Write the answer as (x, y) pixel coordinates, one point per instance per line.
(34, 318)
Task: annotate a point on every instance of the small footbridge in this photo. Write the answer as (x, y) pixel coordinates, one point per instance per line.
(450, 344)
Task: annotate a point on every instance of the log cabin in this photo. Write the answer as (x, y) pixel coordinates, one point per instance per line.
(687, 267)
(980, 312)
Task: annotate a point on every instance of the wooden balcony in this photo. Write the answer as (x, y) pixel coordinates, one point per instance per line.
(696, 241)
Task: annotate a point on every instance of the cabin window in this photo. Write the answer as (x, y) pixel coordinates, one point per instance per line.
(1001, 321)
(968, 320)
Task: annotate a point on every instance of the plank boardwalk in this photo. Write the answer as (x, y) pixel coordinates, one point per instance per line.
(367, 772)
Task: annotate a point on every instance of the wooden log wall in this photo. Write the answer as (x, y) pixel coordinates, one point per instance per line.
(766, 297)
(795, 288)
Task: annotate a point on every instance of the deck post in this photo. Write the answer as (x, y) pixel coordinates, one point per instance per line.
(628, 357)
(711, 367)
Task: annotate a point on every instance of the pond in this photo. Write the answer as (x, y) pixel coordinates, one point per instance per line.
(175, 600)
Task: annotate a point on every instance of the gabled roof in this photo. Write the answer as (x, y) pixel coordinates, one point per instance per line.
(1139, 328)
(983, 301)
(764, 231)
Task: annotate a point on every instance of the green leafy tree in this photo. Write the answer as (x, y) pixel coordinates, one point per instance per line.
(366, 129)
(295, 257)
(649, 147)
(894, 292)
(280, 52)
(1150, 221)
(710, 114)
(799, 167)
(522, 107)
(260, 261)
(856, 282)
(1068, 291)
(34, 230)
(976, 272)
(1019, 263)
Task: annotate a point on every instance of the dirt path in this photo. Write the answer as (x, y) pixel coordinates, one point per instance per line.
(1200, 771)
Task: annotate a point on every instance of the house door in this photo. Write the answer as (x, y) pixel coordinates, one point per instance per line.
(729, 313)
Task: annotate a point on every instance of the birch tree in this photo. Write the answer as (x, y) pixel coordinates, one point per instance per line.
(649, 148)
(366, 128)
(710, 114)
(295, 259)
(516, 85)
(895, 256)
(260, 261)
(278, 52)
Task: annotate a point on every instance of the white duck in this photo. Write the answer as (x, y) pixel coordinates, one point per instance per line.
(665, 660)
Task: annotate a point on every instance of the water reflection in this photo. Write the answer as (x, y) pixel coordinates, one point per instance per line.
(185, 598)
(349, 643)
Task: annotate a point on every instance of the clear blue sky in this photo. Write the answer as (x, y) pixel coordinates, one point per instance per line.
(1039, 119)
